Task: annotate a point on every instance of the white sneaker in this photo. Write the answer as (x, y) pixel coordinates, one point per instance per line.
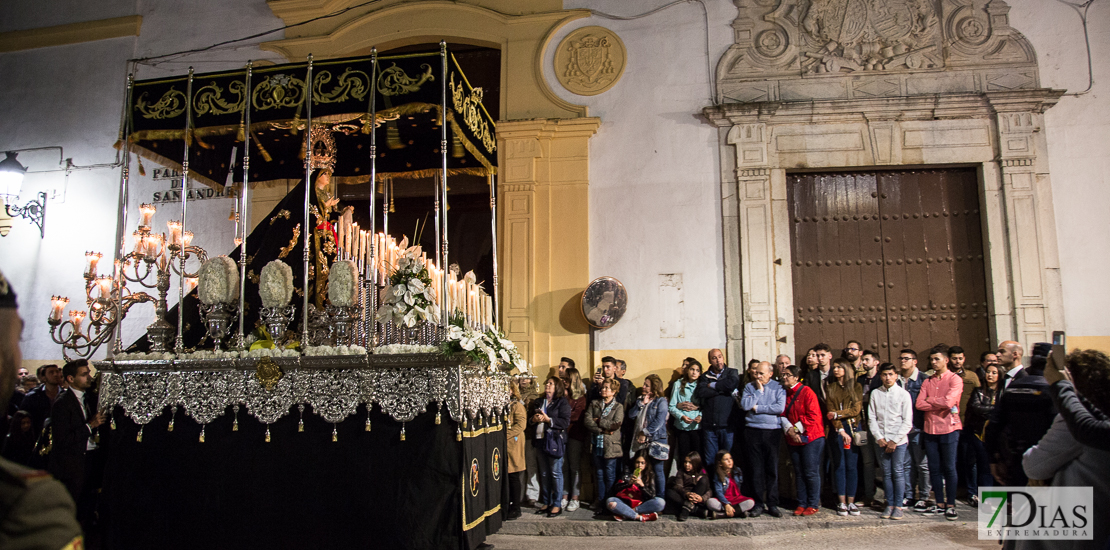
(572, 505)
(853, 509)
(841, 509)
(563, 504)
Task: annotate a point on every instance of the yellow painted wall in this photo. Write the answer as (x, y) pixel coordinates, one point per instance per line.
(1101, 343)
(641, 362)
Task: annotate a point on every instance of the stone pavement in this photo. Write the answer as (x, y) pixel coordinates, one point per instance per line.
(581, 523)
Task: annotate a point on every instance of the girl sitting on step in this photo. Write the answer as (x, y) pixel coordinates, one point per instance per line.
(634, 496)
(727, 500)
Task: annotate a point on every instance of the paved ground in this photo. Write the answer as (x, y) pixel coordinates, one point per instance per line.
(825, 530)
(933, 535)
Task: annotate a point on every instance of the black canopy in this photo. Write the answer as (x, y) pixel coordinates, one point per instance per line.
(399, 98)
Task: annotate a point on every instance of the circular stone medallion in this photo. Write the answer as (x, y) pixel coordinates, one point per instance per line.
(590, 60)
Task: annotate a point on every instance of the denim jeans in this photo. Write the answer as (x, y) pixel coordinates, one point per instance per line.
(980, 466)
(606, 471)
(572, 468)
(845, 466)
(763, 465)
(941, 450)
(714, 440)
(660, 475)
(807, 471)
(531, 465)
(618, 507)
(551, 478)
(894, 474)
(917, 467)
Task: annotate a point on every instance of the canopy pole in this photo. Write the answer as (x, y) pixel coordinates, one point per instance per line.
(493, 223)
(443, 157)
(121, 216)
(179, 342)
(372, 300)
(244, 212)
(307, 230)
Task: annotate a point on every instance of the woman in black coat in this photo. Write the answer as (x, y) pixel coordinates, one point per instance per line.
(548, 419)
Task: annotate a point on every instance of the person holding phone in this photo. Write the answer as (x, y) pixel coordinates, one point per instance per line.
(634, 497)
(805, 435)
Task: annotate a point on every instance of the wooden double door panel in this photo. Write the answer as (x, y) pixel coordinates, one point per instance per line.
(893, 259)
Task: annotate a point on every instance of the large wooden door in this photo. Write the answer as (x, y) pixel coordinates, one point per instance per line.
(893, 259)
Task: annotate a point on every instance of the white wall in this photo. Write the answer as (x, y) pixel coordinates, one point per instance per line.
(654, 183)
(654, 175)
(71, 96)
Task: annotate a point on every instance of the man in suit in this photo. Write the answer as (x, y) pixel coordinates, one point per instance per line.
(1010, 354)
(38, 401)
(74, 423)
(35, 511)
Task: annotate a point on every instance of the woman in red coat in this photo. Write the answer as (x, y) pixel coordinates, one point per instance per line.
(805, 435)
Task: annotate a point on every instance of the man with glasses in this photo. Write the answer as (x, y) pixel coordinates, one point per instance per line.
(911, 379)
(853, 351)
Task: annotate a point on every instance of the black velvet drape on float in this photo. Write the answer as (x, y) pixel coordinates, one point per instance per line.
(484, 488)
(301, 490)
(278, 237)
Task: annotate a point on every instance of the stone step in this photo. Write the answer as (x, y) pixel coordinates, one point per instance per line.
(581, 523)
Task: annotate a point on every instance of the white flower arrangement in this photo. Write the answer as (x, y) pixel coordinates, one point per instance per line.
(343, 284)
(219, 281)
(139, 356)
(403, 349)
(276, 284)
(409, 298)
(210, 354)
(335, 350)
(477, 345)
(272, 352)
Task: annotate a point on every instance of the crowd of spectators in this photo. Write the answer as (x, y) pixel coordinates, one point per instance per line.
(849, 434)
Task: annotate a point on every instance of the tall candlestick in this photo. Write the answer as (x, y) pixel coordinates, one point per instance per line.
(57, 304)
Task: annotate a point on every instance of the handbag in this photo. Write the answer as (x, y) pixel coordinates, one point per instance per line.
(859, 437)
(659, 450)
(554, 442)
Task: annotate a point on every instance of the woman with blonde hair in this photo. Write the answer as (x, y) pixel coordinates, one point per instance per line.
(576, 439)
(650, 417)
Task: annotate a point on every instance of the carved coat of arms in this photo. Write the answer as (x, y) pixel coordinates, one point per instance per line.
(589, 60)
(869, 34)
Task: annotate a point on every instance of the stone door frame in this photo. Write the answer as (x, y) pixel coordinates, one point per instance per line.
(1000, 133)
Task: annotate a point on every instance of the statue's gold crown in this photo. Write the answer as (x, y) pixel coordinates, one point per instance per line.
(323, 149)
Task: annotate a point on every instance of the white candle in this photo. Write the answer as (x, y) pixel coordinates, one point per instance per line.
(104, 287)
(187, 238)
(146, 213)
(76, 317)
(57, 304)
(175, 233)
(139, 244)
(91, 259)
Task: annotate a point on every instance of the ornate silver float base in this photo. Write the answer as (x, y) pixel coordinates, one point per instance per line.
(276, 320)
(402, 385)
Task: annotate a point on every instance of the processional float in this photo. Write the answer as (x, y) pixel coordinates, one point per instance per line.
(374, 321)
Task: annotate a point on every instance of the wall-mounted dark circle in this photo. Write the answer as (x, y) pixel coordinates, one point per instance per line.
(604, 302)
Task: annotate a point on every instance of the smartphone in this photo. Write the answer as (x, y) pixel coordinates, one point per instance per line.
(1059, 338)
(636, 473)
